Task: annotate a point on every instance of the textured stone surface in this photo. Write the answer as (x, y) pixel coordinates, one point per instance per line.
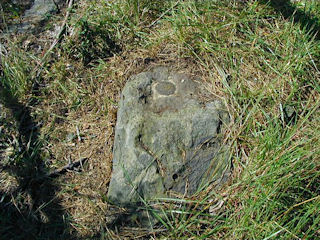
(35, 12)
(166, 139)
(40, 8)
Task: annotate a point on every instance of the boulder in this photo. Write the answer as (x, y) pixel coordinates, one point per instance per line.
(35, 11)
(166, 139)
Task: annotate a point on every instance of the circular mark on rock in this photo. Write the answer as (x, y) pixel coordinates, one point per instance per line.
(165, 88)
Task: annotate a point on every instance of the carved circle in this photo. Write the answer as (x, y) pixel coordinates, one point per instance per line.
(165, 88)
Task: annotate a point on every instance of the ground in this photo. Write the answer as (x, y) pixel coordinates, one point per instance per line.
(261, 58)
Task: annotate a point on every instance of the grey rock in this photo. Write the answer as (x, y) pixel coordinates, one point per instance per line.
(166, 139)
(289, 114)
(23, 3)
(37, 11)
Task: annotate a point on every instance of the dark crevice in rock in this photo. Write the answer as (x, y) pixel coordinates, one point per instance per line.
(174, 176)
(144, 93)
(219, 126)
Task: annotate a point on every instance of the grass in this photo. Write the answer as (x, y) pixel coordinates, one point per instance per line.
(261, 62)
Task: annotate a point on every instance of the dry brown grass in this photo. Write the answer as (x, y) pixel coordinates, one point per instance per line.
(78, 104)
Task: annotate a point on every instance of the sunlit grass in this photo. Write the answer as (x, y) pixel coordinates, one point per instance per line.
(263, 66)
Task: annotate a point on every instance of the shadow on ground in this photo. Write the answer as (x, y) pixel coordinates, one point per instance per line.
(288, 10)
(31, 210)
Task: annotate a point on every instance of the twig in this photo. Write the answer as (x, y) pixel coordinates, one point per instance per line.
(37, 71)
(70, 166)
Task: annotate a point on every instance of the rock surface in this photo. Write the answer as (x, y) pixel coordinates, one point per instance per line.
(166, 139)
(37, 11)
(40, 8)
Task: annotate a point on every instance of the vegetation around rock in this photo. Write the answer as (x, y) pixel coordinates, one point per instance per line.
(59, 106)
